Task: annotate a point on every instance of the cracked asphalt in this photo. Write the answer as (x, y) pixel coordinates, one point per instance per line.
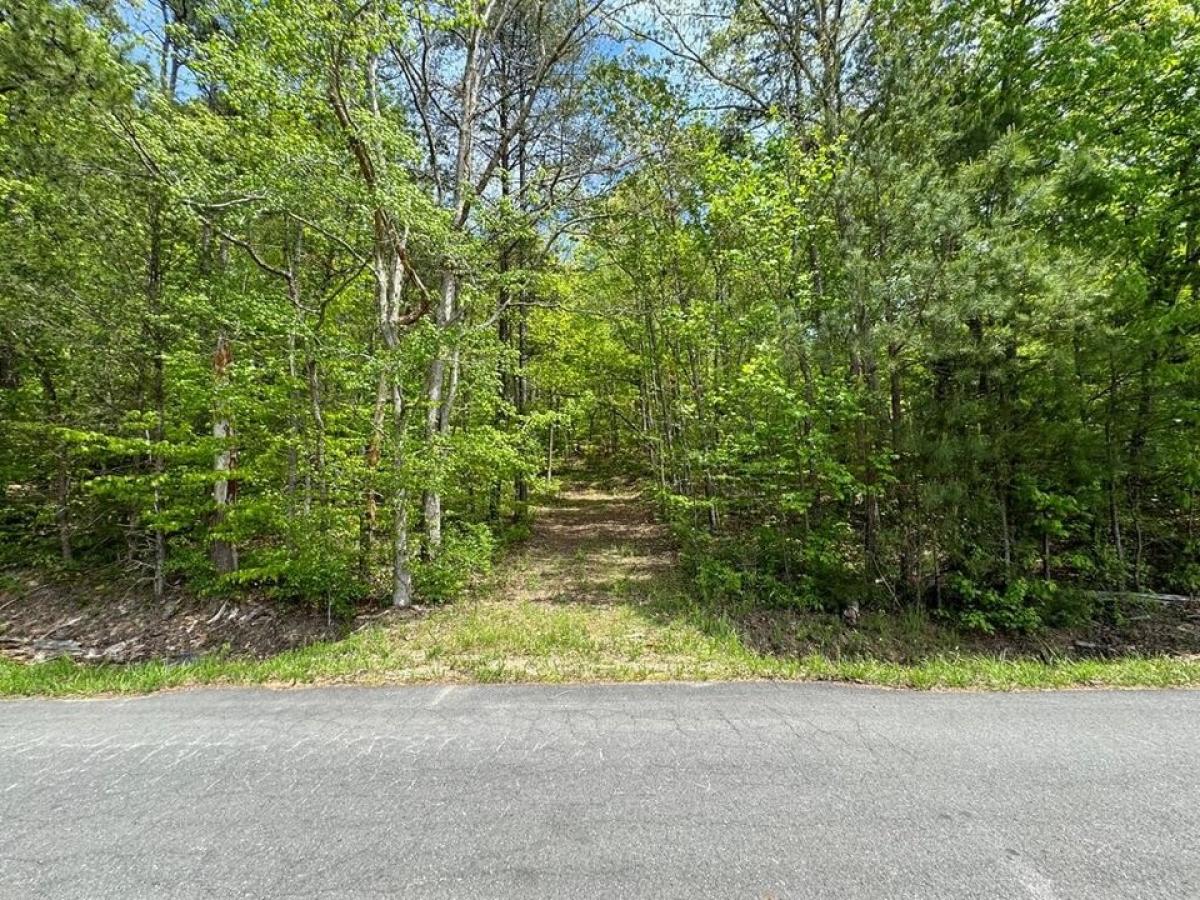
(727, 790)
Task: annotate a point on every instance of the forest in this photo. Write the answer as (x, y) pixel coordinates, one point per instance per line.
(887, 304)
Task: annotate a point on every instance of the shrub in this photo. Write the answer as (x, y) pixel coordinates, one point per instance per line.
(1018, 607)
(467, 551)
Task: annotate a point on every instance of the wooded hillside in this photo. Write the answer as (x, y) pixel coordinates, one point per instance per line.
(893, 302)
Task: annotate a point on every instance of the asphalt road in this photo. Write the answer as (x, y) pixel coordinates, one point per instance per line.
(737, 790)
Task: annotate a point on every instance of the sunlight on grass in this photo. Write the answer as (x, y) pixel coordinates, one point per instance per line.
(601, 614)
(664, 637)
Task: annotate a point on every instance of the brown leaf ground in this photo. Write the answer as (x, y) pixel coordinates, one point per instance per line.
(104, 617)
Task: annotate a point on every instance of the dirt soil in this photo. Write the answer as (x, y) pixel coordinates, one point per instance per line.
(91, 619)
(590, 538)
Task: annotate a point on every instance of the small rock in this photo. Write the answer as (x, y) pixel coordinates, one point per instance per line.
(118, 652)
(47, 648)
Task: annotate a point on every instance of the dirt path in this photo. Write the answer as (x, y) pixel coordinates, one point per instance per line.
(589, 545)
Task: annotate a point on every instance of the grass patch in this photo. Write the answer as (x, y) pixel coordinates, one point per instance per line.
(663, 635)
(574, 607)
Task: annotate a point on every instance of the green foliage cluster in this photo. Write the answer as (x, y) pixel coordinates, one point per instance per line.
(918, 323)
(226, 352)
(896, 304)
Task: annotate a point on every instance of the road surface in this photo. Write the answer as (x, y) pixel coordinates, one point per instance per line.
(734, 790)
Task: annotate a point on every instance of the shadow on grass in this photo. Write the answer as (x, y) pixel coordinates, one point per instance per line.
(618, 553)
(596, 593)
(914, 636)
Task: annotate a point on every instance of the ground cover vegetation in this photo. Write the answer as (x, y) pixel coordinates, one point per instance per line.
(889, 307)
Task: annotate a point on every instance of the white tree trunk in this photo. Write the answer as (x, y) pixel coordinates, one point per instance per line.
(437, 411)
(224, 554)
(402, 591)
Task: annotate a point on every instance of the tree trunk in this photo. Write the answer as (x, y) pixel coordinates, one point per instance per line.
(520, 486)
(62, 506)
(371, 455)
(388, 266)
(437, 414)
(154, 286)
(1005, 529)
(1114, 509)
(224, 554)
(313, 373)
(402, 591)
(1136, 478)
(62, 476)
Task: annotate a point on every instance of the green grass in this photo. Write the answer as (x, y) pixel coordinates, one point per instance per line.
(594, 614)
(661, 636)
